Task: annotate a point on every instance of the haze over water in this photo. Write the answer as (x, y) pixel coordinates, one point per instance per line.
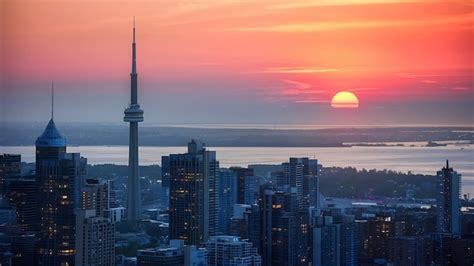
(419, 160)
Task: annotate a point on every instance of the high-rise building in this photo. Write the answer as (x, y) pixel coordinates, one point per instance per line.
(335, 234)
(239, 222)
(410, 250)
(302, 173)
(133, 115)
(448, 209)
(280, 227)
(227, 195)
(9, 167)
(23, 195)
(193, 194)
(58, 176)
(95, 239)
(362, 235)
(165, 181)
(5, 254)
(326, 241)
(231, 250)
(95, 196)
(379, 231)
(23, 248)
(245, 185)
(349, 240)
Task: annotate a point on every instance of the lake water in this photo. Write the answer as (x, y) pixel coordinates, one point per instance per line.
(423, 160)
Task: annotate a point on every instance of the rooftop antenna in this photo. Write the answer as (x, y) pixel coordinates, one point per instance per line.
(133, 29)
(52, 100)
(447, 164)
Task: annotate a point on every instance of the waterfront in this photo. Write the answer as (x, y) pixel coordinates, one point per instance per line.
(422, 160)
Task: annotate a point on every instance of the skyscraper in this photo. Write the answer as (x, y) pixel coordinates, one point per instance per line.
(23, 195)
(9, 167)
(165, 181)
(280, 227)
(245, 185)
(95, 196)
(227, 195)
(326, 241)
(379, 231)
(133, 115)
(448, 203)
(58, 177)
(95, 239)
(193, 194)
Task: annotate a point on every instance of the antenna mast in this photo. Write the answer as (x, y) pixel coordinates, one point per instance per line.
(52, 100)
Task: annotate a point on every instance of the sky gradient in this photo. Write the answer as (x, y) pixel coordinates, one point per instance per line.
(229, 61)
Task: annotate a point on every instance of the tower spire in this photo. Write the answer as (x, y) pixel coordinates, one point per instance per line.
(133, 29)
(52, 100)
(134, 53)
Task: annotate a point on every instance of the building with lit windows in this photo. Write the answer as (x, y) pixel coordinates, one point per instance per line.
(193, 194)
(9, 167)
(448, 215)
(58, 177)
(95, 239)
(95, 196)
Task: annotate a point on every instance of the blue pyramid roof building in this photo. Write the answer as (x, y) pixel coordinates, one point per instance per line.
(51, 137)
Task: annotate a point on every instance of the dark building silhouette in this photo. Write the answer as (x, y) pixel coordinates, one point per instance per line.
(133, 115)
(227, 197)
(245, 185)
(58, 177)
(326, 241)
(9, 167)
(193, 194)
(379, 232)
(23, 249)
(279, 227)
(165, 181)
(23, 195)
(410, 250)
(448, 201)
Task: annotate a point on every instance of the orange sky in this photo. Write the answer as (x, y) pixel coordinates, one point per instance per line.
(298, 53)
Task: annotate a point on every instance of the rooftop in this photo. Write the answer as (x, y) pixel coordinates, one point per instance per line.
(51, 137)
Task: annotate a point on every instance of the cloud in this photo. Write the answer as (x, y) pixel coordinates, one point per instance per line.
(428, 81)
(299, 70)
(316, 26)
(297, 92)
(460, 88)
(312, 101)
(317, 3)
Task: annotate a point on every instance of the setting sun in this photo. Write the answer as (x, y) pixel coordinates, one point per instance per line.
(345, 99)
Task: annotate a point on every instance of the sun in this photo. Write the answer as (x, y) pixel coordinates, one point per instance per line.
(344, 99)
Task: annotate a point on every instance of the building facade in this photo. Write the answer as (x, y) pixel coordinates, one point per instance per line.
(230, 250)
(58, 177)
(95, 239)
(448, 215)
(193, 194)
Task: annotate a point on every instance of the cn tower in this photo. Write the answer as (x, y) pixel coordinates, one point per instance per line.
(133, 115)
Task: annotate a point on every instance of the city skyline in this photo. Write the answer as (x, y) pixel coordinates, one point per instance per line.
(250, 63)
(305, 106)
